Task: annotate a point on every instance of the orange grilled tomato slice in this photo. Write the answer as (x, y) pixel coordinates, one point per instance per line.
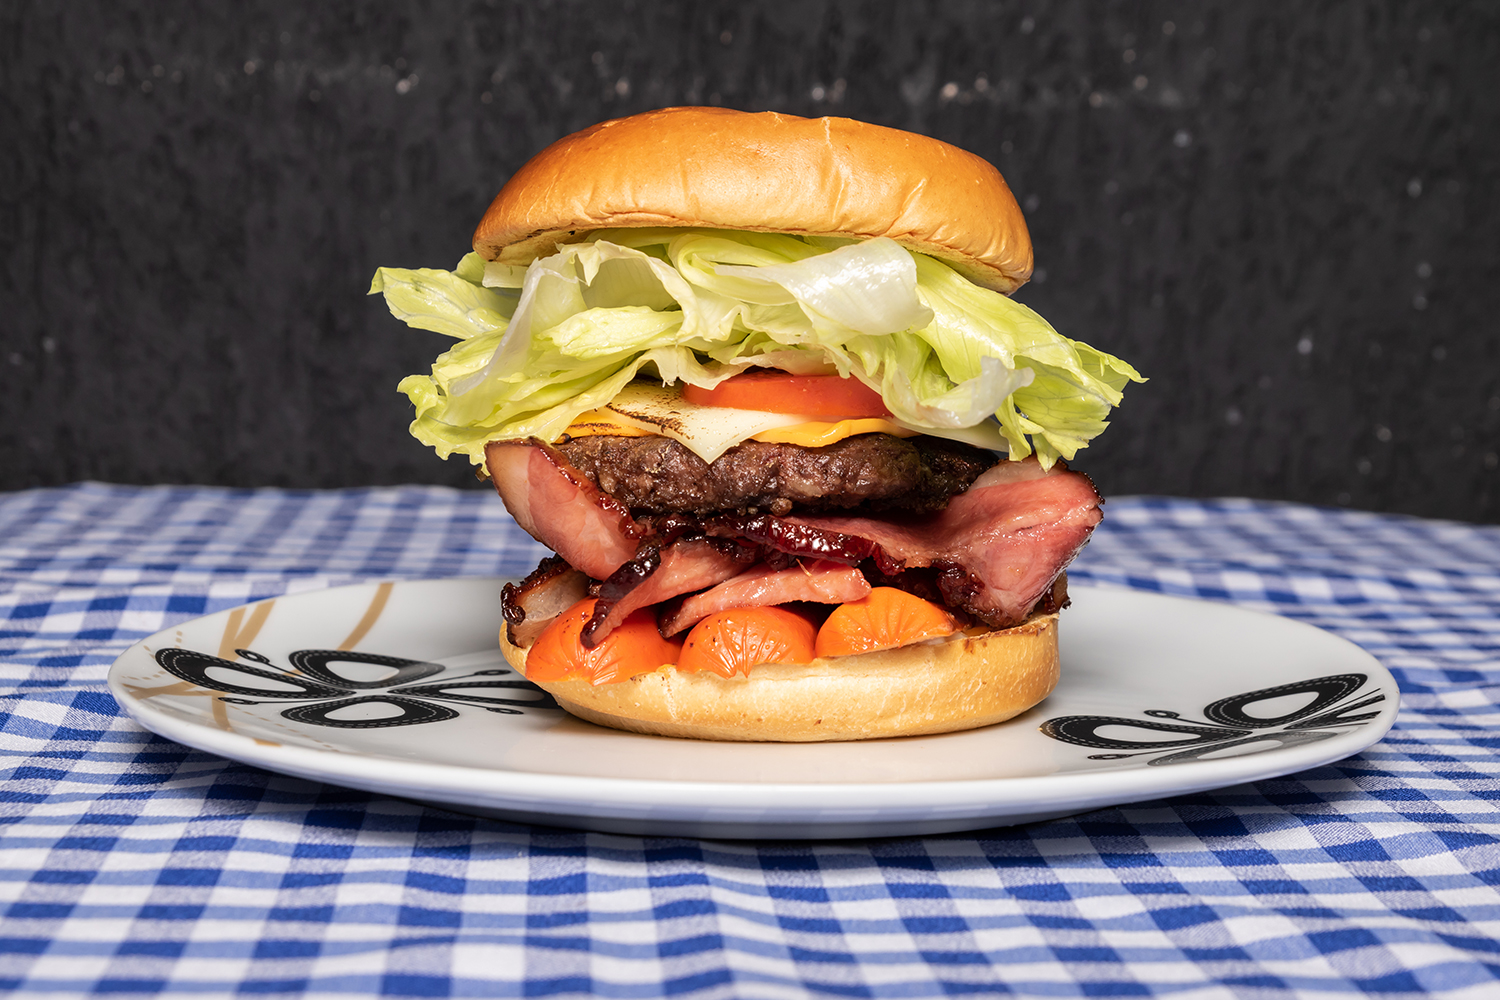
(885, 619)
(635, 647)
(731, 642)
(779, 392)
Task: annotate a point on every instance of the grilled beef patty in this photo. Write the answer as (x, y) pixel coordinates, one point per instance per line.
(657, 475)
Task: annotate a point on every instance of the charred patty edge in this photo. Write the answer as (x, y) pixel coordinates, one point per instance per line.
(874, 472)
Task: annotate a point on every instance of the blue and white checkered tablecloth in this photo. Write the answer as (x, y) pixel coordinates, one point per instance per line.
(134, 865)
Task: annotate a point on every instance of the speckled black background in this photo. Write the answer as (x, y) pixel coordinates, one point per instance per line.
(1284, 214)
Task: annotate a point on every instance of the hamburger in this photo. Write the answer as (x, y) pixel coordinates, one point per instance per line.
(758, 383)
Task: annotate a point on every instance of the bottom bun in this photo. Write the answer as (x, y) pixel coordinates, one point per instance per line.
(962, 682)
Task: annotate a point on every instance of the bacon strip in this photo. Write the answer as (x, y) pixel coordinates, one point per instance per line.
(559, 507)
(761, 586)
(658, 575)
(997, 547)
(795, 536)
(552, 588)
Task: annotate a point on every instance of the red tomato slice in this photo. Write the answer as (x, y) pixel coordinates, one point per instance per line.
(778, 392)
(884, 620)
(634, 647)
(731, 642)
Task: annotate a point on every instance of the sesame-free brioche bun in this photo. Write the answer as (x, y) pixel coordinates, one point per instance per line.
(962, 682)
(767, 172)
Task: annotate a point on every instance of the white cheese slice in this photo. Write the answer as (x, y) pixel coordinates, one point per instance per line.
(706, 431)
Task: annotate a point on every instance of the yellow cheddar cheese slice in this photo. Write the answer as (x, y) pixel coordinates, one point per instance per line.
(816, 434)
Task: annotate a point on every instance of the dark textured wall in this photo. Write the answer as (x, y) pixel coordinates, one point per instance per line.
(1284, 214)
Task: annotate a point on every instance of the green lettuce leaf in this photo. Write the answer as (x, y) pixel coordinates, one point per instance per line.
(454, 302)
(541, 346)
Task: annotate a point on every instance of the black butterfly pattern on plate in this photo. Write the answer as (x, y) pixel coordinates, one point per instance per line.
(410, 695)
(1228, 724)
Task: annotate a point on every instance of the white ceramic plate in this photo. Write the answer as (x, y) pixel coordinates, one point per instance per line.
(399, 688)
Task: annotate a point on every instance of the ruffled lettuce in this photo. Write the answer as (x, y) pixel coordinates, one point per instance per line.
(540, 345)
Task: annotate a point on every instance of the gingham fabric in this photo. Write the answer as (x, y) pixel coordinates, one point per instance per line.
(130, 864)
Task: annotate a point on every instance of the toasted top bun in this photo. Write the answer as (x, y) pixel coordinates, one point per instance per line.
(963, 682)
(767, 172)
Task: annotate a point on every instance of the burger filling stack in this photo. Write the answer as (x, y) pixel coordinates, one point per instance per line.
(758, 383)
